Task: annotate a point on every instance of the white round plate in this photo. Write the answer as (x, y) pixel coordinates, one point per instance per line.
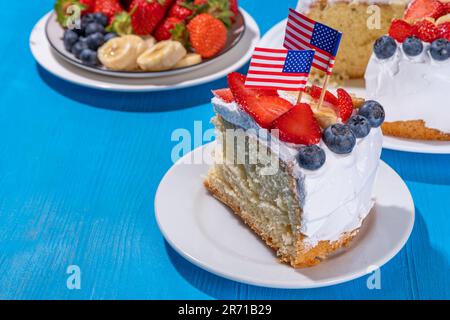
(228, 62)
(274, 38)
(209, 235)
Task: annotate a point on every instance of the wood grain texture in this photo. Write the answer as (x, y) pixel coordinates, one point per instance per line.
(78, 173)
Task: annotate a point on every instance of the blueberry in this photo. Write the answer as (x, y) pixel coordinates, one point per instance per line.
(311, 157)
(89, 57)
(412, 46)
(79, 46)
(70, 38)
(372, 111)
(95, 40)
(94, 27)
(110, 36)
(339, 138)
(440, 49)
(359, 125)
(384, 47)
(101, 18)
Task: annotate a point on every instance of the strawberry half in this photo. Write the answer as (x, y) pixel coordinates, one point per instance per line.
(426, 31)
(264, 109)
(400, 30)
(345, 105)
(224, 94)
(236, 82)
(315, 92)
(419, 9)
(298, 126)
(444, 30)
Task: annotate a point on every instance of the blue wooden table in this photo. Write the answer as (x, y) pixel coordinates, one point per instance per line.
(78, 173)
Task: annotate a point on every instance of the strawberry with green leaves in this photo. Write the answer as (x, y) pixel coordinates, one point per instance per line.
(146, 15)
(108, 7)
(63, 13)
(172, 28)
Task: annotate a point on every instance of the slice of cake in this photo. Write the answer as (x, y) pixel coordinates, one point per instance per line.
(409, 73)
(360, 26)
(299, 176)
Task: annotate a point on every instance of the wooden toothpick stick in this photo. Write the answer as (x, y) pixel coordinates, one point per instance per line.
(324, 90)
(299, 99)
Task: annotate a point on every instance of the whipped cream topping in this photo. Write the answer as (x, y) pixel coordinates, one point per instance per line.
(337, 197)
(411, 88)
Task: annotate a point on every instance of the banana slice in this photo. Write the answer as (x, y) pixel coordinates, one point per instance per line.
(150, 41)
(325, 116)
(162, 56)
(189, 60)
(443, 19)
(121, 53)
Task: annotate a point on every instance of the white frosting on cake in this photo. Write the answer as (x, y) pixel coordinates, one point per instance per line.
(336, 198)
(411, 88)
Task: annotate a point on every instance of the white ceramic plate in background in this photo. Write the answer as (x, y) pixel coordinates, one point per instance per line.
(208, 234)
(231, 61)
(274, 38)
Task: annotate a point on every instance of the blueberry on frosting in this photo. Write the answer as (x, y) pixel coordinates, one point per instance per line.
(384, 47)
(359, 125)
(412, 46)
(440, 49)
(311, 157)
(339, 138)
(374, 112)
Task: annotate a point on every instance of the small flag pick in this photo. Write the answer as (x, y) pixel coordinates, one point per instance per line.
(279, 69)
(304, 33)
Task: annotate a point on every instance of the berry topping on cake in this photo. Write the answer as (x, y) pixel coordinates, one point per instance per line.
(400, 30)
(384, 47)
(339, 138)
(426, 31)
(359, 125)
(374, 112)
(315, 92)
(224, 94)
(311, 157)
(236, 82)
(412, 46)
(419, 9)
(298, 126)
(263, 108)
(444, 30)
(345, 104)
(440, 49)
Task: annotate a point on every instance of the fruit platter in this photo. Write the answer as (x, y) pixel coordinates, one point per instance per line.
(143, 38)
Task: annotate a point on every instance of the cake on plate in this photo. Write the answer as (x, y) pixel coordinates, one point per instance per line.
(357, 22)
(301, 177)
(409, 72)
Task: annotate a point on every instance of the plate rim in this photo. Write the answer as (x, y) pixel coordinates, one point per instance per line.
(136, 75)
(392, 143)
(44, 57)
(392, 253)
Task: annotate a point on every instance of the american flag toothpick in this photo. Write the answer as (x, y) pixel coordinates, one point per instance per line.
(304, 33)
(279, 69)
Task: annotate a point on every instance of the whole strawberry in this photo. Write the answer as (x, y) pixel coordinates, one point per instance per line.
(426, 31)
(108, 7)
(171, 28)
(180, 10)
(146, 15)
(207, 35)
